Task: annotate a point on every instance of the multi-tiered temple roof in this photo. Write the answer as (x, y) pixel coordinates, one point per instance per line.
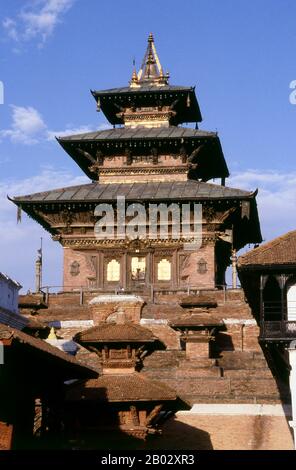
(148, 113)
(146, 157)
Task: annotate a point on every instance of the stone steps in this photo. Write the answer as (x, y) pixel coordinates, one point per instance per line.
(242, 360)
(246, 373)
(163, 359)
(222, 386)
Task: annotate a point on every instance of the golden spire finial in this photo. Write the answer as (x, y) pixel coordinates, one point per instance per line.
(151, 70)
(134, 81)
(150, 38)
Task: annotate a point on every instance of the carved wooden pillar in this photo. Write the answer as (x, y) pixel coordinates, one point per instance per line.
(263, 279)
(149, 268)
(101, 270)
(174, 271)
(151, 262)
(234, 269)
(134, 416)
(124, 271)
(282, 281)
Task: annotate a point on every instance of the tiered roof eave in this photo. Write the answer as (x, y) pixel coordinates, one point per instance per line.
(83, 148)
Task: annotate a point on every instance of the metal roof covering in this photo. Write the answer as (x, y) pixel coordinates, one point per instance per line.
(172, 132)
(143, 89)
(150, 191)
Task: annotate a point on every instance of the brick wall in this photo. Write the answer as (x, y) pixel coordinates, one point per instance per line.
(85, 270)
(189, 274)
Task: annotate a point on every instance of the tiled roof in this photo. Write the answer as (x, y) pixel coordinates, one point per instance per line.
(124, 133)
(279, 251)
(142, 89)
(93, 192)
(112, 332)
(119, 388)
(8, 333)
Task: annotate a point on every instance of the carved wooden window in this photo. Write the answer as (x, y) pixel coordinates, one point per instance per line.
(202, 266)
(138, 268)
(113, 271)
(164, 270)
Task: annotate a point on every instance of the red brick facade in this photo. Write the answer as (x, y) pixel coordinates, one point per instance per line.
(87, 268)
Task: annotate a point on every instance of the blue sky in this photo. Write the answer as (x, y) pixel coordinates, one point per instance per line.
(239, 54)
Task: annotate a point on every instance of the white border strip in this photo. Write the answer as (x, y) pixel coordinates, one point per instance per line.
(240, 409)
(237, 321)
(71, 323)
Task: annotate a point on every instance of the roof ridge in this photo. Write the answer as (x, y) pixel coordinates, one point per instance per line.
(278, 251)
(267, 245)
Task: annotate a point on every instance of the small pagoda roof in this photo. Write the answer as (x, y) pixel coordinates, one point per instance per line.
(75, 369)
(120, 388)
(83, 148)
(280, 251)
(186, 107)
(115, 333)
(149, 87)
(142, 89)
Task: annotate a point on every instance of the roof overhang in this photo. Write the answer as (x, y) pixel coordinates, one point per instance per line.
(184, 100)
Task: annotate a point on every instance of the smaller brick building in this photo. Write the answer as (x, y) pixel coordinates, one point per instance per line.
(268, 276)
(121, 401)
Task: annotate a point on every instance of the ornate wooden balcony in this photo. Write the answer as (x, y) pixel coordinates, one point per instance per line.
(275, 323)
(278, 330)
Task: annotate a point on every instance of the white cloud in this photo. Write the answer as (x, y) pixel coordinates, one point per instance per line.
(47, 179)
(19, 242)
(51, 135)
(37, 19)
(276, 198)
(76, 130)
(10, 27)
(29, 128)
(27, 125)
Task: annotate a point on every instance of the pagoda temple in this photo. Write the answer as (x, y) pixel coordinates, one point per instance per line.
(142, 288)
(146, 157)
